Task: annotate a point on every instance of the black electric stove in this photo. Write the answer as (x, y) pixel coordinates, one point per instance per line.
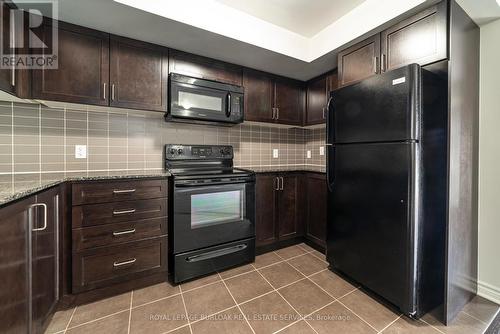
(212, 211)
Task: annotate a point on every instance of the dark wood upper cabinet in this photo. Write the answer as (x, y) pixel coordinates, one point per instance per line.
(266, 218)
(359, 61)
(420, 39)
(258, 101)
(83, 72)
(205, 68)
(288, 101)
(138, 75)
(316, 100)
(7, 76)
(316, 208)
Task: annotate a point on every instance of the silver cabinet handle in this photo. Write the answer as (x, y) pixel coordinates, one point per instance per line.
(282, 183)
(277, 179)
(324, 112)
(274, 111)
(112, 92)
(44, 206)
(277, 113)
(123, 212)
(125, 191)
(104, 91)
(383, 65)
(375, 65)
(117, 234)
(124, 263)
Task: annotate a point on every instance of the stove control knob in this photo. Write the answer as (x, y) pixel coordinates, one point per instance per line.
(172, 151)
(180, 151)
(226, 151)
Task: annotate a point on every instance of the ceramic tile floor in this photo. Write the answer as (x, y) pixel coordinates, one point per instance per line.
(287, 291)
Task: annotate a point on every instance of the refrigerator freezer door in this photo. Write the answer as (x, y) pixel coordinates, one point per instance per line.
(379, 109)
(369, 218)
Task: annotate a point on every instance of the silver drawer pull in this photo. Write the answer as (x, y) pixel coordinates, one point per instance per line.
(116, 234)
(123, 212)
(126, 191)
(124, 263)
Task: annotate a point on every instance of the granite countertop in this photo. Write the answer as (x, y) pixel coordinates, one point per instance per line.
(33, 183)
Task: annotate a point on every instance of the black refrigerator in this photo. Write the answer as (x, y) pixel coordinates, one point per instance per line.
(387, 181)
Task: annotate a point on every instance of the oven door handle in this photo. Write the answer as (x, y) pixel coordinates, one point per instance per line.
(211, 184)
(216, 253)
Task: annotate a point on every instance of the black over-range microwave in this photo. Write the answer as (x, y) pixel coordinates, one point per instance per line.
(194, 100)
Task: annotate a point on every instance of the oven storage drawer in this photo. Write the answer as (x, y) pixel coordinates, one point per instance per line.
(109, 213)
(104, 192)
(103, 266)
(112, 234)
(196, 263)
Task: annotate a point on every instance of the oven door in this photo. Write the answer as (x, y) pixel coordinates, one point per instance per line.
(210, 215)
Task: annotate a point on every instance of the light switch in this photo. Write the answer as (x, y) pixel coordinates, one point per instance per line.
(321, 150)
(308, 154)
(275, 153)
(80, 151)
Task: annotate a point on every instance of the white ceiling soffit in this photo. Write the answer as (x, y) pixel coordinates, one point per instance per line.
(221, 19)
(481, 11)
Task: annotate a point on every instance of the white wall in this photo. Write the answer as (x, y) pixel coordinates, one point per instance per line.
(489, 163)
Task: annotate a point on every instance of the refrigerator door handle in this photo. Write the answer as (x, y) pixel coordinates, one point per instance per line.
(329, 146)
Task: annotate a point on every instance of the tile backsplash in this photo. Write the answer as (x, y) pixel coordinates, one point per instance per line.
(35, 138)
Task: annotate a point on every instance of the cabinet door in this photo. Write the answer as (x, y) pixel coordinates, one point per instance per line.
(420, 39)
(316, 208)
(288, 206)
(138, 75)
(266, 214)
(316, 100)
(204, 68)
(258, 102)
(45, 258)
(7, 76)
(14, 264)
(288, 101)
(360, 61)
(83, 73)
(332, 82)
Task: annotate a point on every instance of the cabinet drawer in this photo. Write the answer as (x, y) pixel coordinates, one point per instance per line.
(103, 266)
(103, 192)
(109, 213)
(112, 234)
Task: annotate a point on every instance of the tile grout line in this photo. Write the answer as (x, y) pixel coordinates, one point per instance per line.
(130, 312)
(237, 305)
(390, 324)
(70, 319)
(97, 319)
(470, 315)
(432, 326)
(376, 330)
(185, 310)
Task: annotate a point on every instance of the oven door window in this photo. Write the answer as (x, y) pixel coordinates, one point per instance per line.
(209, 209)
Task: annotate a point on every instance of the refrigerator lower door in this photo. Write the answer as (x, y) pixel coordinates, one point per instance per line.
(369, 220)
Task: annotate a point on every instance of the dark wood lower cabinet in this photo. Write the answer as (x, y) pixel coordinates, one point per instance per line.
(266, 215)
(29, 262)
(316, 208)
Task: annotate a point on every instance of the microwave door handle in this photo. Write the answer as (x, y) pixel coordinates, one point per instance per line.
(228, 107)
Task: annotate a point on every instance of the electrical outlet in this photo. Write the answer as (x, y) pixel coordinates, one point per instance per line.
(275, 153)
(321, 150)
(80, 151)
(308, 154)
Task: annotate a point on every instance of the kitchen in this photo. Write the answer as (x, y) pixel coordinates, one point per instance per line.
(203, 180)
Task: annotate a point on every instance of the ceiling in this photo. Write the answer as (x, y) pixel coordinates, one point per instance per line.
(304, 17)
(481, 11)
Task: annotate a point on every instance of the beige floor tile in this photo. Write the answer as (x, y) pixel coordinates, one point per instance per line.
(158, 317)
(405, 325)
(462, 324)
(331, 282)
(289, 252)
(101, 308)
(281, 274)
(182, 330)
(153, 293)
(227, 322)
(373, 312)
(247, 286)
(200, 282)
(115, 324)
(208, 300)
(300, 327)
(308, 264)
(319, 255)
(266, 259)
(269, 313)
(59, 321)
(305, 296)
(335, 318)
(306, 247)
(236, 271)
(481, 309)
